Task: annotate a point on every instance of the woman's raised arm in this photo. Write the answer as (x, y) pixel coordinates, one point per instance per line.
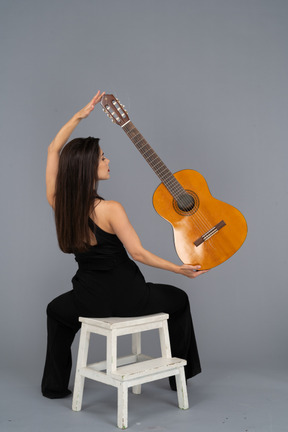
(58, 143)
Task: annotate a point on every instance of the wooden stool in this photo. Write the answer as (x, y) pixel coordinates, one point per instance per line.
(132, 370)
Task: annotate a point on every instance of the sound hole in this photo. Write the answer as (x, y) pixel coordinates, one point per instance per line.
(187, 203)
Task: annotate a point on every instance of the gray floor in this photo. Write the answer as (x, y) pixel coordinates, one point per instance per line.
(234, 400)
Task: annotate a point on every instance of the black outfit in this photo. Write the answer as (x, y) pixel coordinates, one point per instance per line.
(109, 283)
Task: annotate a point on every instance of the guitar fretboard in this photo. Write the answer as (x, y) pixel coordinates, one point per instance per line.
(151, 157)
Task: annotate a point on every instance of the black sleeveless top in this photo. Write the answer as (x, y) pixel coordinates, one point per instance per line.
(106, 254)
(108, 282)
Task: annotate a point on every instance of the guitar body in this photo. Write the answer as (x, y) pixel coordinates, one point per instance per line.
(213, 245)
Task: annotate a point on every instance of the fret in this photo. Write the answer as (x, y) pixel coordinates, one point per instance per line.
(154, 161)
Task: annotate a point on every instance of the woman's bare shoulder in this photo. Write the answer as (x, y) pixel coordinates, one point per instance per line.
(106, 212)
(110, 205)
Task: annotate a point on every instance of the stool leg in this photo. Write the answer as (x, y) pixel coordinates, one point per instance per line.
(122, 414)
(165, 340)
(81, 362)
(182, 389)
(136, 349)
(111, 352)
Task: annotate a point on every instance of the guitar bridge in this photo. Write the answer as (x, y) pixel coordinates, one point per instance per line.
(209, 233)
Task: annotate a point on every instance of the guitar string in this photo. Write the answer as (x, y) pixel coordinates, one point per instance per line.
(174, 190)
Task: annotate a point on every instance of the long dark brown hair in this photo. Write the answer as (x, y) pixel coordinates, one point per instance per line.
(76, 191)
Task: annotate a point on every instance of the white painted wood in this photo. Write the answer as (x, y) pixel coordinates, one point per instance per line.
(149, 367)
(122, 411)
(102, 365)
(120, 322)
(165, 340)
(182, 389)
(129, 371)
(133, 379)
(150, 378)
(122, 331)
(81, 362)
(136, 349)
(136, 343)
(99, 376)
(139, 328)
(111, 352)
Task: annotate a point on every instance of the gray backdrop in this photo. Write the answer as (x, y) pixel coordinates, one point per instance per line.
(205, 81)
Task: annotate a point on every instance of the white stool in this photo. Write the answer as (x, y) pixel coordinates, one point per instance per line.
(132, 370)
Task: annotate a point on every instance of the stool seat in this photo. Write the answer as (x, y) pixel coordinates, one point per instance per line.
(132, 370)
(119, 322)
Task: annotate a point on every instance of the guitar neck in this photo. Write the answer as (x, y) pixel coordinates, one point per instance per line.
(151, 157)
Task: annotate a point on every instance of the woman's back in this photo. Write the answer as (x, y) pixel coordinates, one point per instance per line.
(106, 250)
(100, 216)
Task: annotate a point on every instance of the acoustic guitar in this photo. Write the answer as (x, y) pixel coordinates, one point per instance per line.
(207, 231)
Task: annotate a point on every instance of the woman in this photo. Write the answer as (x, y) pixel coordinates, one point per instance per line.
(108, 282)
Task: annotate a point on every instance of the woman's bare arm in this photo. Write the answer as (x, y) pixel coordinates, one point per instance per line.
(58, 143)
(122, 227)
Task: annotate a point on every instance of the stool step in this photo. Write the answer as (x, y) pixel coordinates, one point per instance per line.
(148, 367)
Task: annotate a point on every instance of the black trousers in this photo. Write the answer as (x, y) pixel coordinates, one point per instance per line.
(62, 325)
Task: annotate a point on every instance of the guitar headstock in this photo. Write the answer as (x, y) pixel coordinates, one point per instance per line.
(114, 109)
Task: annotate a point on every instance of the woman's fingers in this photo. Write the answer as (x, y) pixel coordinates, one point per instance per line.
(192, 271)
(91, 105)
(97, 98)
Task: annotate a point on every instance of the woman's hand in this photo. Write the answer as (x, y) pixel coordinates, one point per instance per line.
(84, 112)
(191, 271)
(64, 134)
